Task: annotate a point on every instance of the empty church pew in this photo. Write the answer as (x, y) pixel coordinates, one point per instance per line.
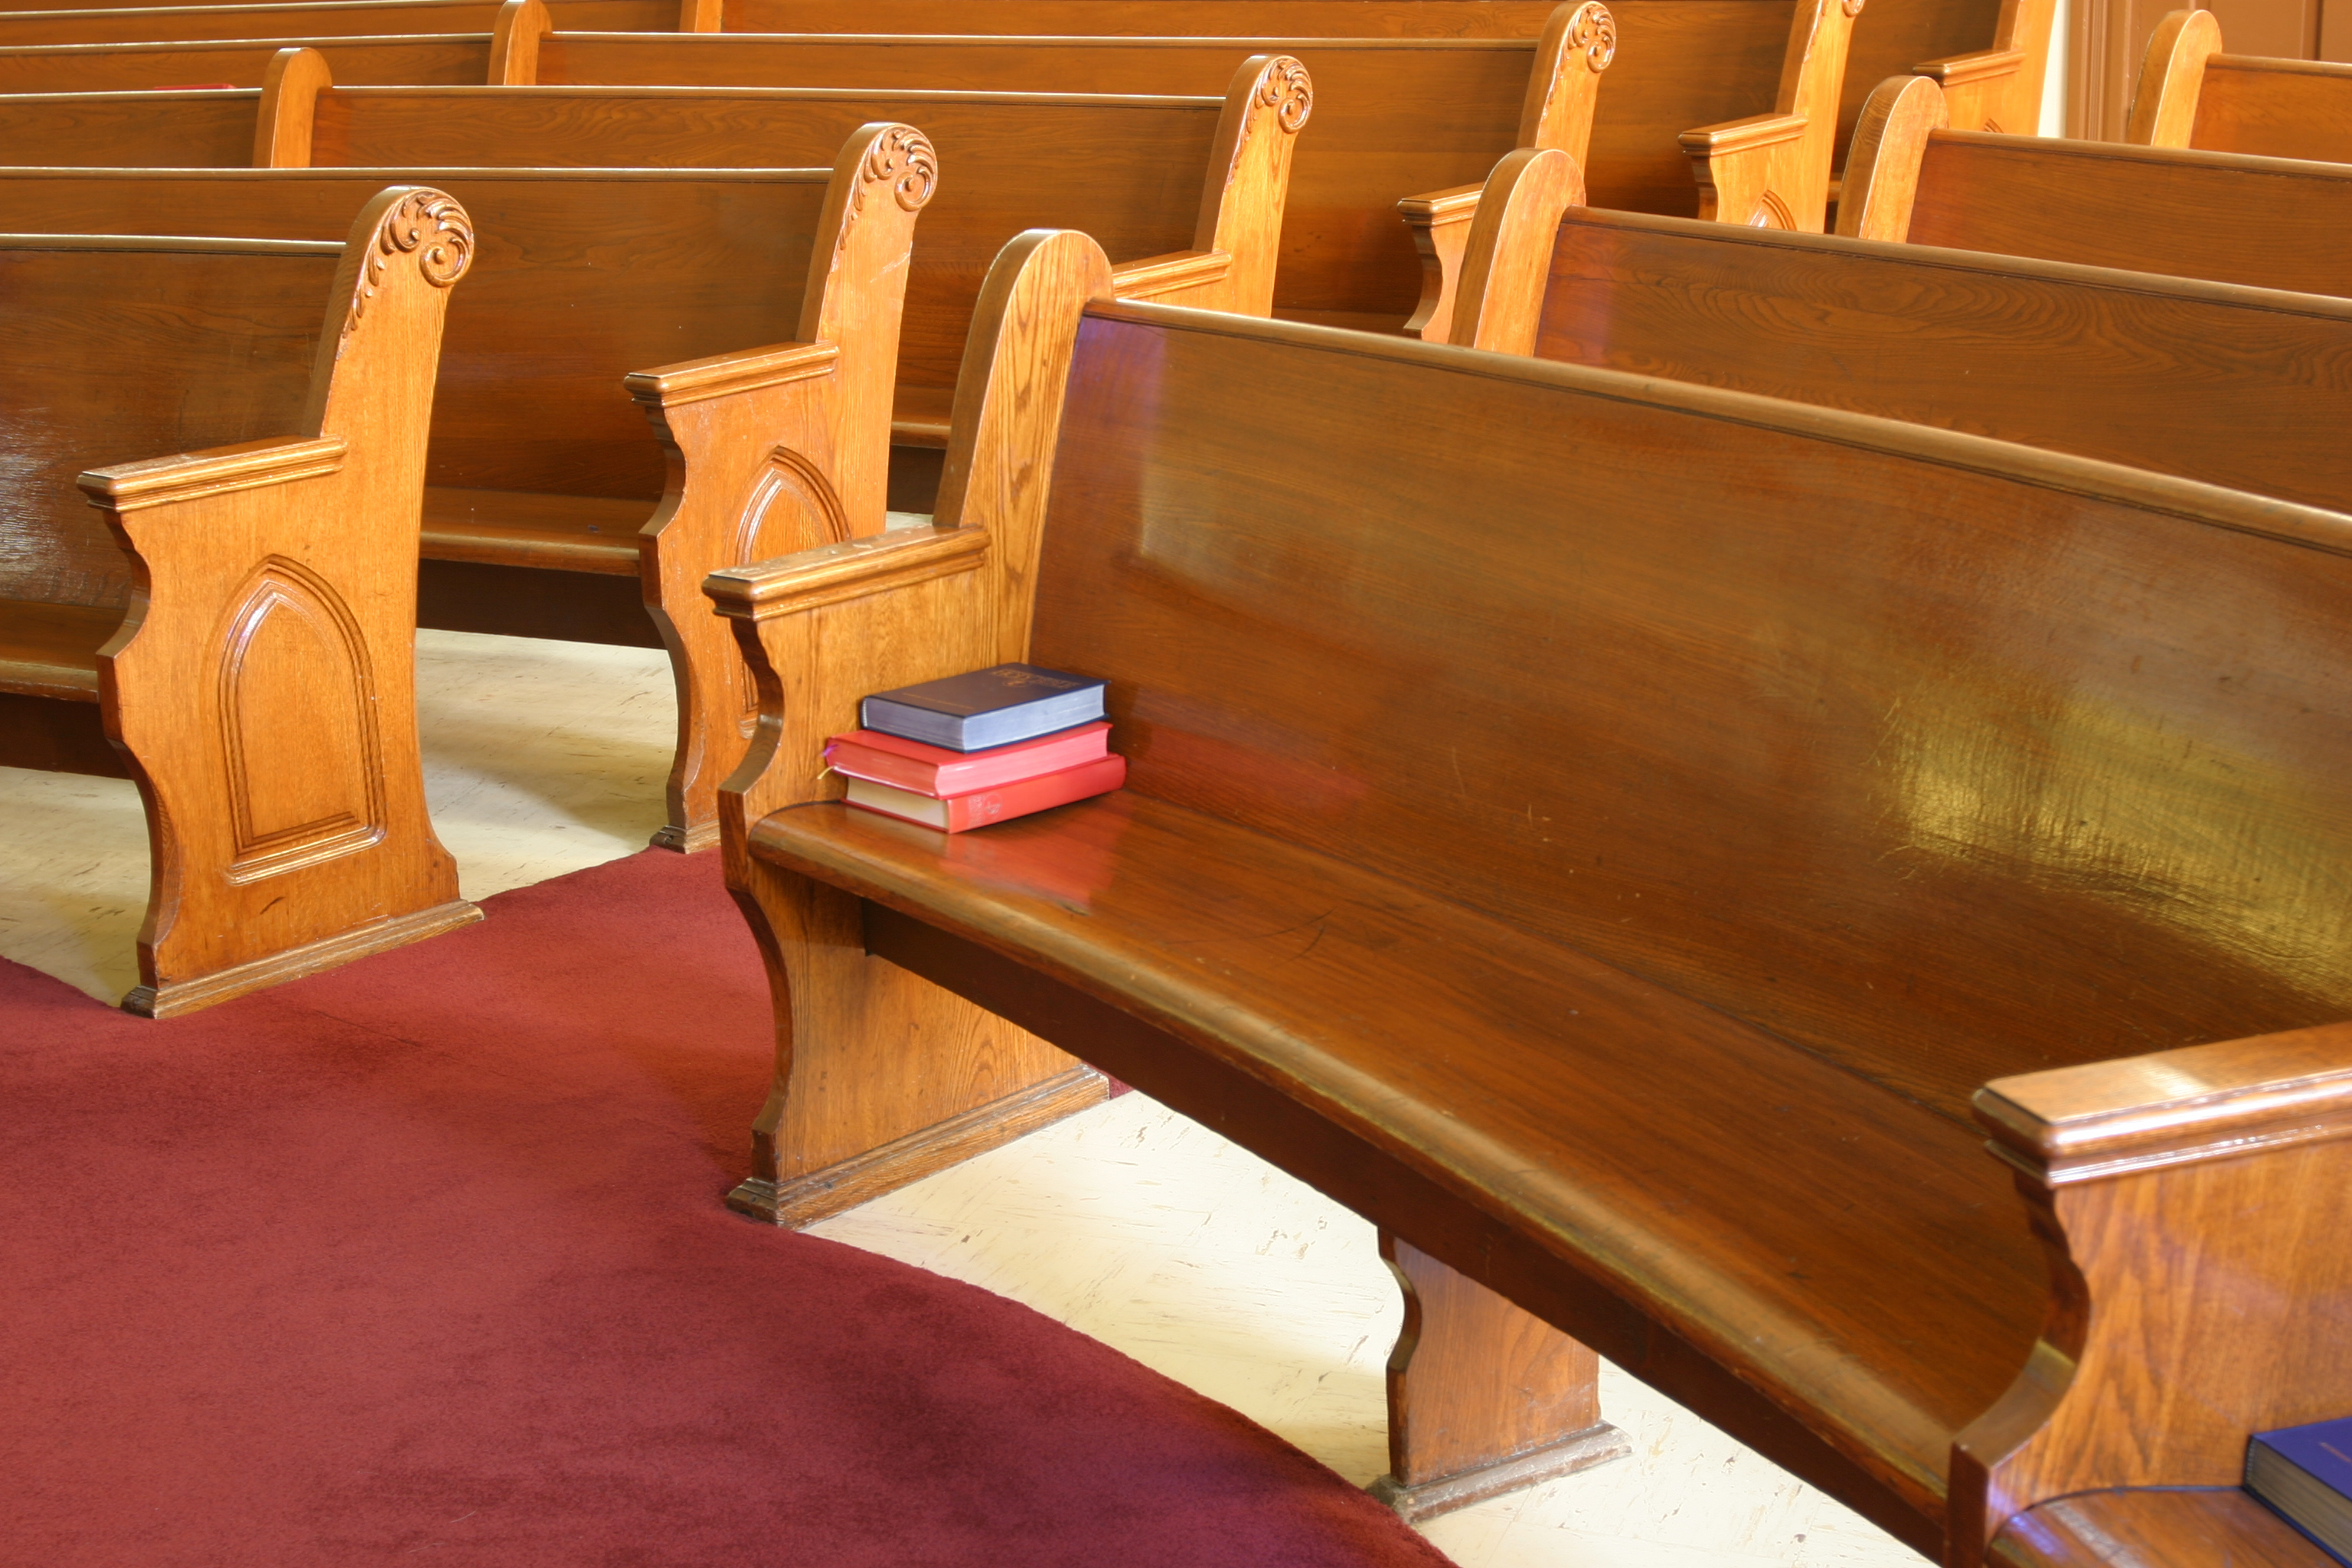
(231, 626)
(2246, 388)
(451, 59)
(334, 18)
(2190, 94)
(1397, 120)
(1925, 788)
(1187, 191)
(2143, 210)
(750, 316)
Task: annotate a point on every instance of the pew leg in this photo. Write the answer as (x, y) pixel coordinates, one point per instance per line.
(1482, 1398)
(882, 1077)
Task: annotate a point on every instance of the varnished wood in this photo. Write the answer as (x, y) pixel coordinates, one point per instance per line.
(333, 18)
(243, 636)
(451, 60)
(2234, 386)
(1881, 176)
(1394, 117)
(2149, 1528)
(1483, 1399)
(2191, 94)
(2143, 210)
(1808, 772)
(542, 455)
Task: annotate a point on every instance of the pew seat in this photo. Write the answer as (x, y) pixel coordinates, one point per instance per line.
(230, 627)
(51, 650)
(1634, 842)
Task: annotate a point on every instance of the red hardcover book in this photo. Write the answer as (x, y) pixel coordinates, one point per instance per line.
(959, 811)
(938, 771)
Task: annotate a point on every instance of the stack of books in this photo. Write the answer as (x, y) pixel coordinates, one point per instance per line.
(975, 748)
(2306, 1473)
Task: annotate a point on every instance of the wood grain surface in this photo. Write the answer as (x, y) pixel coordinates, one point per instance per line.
(2138, 208)
(21, 29)
(2212, 382)
(449, 60)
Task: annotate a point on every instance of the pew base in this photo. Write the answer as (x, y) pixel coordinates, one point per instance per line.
(824, 1193)
(176, 997)
(688, 841)
(54, 737)
(1598, 1444)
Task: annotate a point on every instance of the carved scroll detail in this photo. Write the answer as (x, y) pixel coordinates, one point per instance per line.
(1851, 7)
(1594, 30)
(903, 156)
(1286, 88)
(427, 225)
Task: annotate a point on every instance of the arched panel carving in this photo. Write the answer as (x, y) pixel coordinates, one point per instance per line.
(297, 706)
(1772, 212)
(792, 506)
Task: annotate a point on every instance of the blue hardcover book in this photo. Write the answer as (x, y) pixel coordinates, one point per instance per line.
(2306, 1473)
(998, 707)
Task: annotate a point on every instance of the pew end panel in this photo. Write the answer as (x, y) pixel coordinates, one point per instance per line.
(1237, 242)
(1772, 171)
(2171, 78)
(822, 629)
(261, 686)
(776, 449)
(1507, 263)
(2192, 1203)
(1579, 44)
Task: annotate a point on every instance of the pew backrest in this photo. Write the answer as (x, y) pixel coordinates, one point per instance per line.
(453, 60)
(334, 18)
(1187, 191)
(2190, 94)
(2141, 209)
(1990, 59)
(2233, 386)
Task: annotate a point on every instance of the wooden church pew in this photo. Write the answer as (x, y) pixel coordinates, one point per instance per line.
(1399, 122)
(1196, 221)
(1187, 191)
(451, 59)
(751, 317)
(1903, 760)
(1685, 98)
(2247, 388)
(333, 18)
(2190, 94)
(2142, 209)
(230, 627)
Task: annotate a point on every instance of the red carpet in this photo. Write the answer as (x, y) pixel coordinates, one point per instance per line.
(423, 1261)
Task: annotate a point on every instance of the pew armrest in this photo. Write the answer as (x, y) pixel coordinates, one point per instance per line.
(2209, 1102)
(218, 471)
(838, 574)
(2180, 1197)
(729, 374)
(1440, 222)
(1752, 171)
(1179, 278)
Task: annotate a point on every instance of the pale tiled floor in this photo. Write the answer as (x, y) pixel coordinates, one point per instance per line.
(1129, 1222)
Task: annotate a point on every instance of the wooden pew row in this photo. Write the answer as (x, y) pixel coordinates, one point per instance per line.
(2142, 209)
(349, 18)
(531, 532)
(2246, 388)
(231, 627)
(2190, 94)
(1188, 191)
(1409, 124)
(1907, 761)
(1991, 57)
(1687, 100)
(431, 60)
(750, 317)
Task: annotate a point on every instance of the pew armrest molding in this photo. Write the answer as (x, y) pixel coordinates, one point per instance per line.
(837, 573)
(193, 475)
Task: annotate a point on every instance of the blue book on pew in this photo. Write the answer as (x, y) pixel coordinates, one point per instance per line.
(997, 707)
(2305, 1474)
